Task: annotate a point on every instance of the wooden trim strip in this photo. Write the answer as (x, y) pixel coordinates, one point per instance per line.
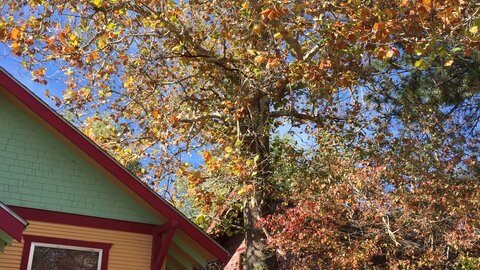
(84, 221)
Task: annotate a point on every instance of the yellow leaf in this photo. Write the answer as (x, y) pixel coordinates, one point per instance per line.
(97, 3)
(421, 64)
(278, 35)
(448, 63)
(200, 219)
(101, 43)
(257, 28)
(473, 29)
(260, 59)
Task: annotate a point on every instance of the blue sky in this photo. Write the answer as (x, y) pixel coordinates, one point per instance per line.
(14, 67)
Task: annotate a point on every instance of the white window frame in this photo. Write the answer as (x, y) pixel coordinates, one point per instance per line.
(39, 244)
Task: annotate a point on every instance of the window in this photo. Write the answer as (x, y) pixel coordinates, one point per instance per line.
(45, 253)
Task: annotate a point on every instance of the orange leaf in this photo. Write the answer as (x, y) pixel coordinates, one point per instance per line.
(61, 36)
(40, 72)
(206, 155)
(155, 113)
(272, 15)
(16, 48)
(173, 119)
(377, 26)
(265, 13)
(15, 34)
(427, 4)
(50, 41)
(468, 52)
(248, 187)
(283, 11)
(93, 56)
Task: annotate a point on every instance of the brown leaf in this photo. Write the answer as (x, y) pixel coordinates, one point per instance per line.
(58, 102)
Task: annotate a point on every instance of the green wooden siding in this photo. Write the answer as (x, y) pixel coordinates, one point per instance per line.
(37, 170)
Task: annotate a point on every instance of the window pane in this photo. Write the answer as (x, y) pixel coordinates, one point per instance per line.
(47, 258)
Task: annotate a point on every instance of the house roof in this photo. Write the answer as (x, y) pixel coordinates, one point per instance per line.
(12, 224)
(87, 146)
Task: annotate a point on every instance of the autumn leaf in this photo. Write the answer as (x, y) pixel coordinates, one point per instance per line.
(15, 34)
(16, 48)
(155, 113)
(378, 26)
(40, 72)
(427, 4)
(278, 35)
(206, 155)
(473, 29)
(266, 13)
(58, 102)
(97, 3)
(448, 63)
(421, 64)
(260, 59)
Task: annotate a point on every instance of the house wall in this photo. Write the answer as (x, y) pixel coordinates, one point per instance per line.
(37, 170)
(129, 250)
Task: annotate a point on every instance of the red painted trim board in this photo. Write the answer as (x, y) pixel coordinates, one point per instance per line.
(11, 225)
(163, 241)
(84, 221)
(105, 247)
(24, 96)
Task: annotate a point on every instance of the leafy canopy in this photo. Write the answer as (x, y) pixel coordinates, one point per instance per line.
(166, 79)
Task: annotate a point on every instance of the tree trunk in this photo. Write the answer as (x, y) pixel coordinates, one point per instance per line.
(257, 140)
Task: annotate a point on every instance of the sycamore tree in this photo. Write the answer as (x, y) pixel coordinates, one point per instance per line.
(217, 78)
